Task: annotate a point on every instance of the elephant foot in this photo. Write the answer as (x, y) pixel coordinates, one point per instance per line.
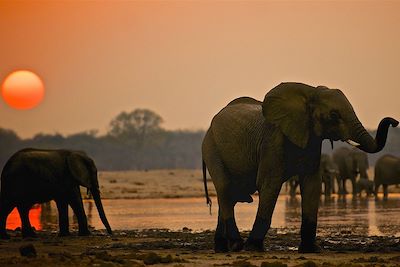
(236, 245)
(254, 245)
(61, 234)
(309, 248)
(342, 192)
(27, 234)
(85, 232)
(220, 245)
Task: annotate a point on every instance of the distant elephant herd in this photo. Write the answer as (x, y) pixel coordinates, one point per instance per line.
(349, 163)
(251, 146)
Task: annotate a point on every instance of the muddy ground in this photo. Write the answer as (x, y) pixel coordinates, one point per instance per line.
(185, 248)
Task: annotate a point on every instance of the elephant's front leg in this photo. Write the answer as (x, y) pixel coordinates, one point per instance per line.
(268, 194)
(77, 206)
(354, 186)
(310, 186)
(328, 187)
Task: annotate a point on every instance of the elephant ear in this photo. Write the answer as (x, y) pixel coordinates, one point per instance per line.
(286, 106)
(79, 169)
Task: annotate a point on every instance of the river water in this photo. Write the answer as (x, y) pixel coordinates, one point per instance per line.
(368, 216)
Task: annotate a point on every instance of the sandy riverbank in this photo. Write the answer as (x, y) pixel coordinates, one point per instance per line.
(184, 248)
(165, 184)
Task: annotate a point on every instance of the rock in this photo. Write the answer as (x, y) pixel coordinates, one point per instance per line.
(151, 258)
(28, 251)
(186, 230)
(243, 263)
(166, 259)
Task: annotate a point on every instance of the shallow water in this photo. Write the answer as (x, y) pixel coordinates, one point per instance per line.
(367, 216)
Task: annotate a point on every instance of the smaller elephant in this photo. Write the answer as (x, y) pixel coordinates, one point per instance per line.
(293, 184)
(365, 185)
(328, 174)
(387, 172)
(350, 163)
(33, 176)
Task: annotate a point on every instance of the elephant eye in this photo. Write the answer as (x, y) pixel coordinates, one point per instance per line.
(334, 115)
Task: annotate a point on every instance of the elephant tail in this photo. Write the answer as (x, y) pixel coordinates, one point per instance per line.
(208, 199)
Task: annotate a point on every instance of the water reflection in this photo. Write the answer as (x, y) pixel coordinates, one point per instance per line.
(45, 216)
(14, 221)
(387, 218)
(365, 216)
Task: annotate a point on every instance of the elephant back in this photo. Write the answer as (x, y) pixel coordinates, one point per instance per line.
(245, 100)
(387, 170)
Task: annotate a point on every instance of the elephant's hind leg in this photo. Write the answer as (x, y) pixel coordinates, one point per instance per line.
(227, 236)
(5, 210)
(376, 189)
(63, 221)
(385, 192)
(27, 230)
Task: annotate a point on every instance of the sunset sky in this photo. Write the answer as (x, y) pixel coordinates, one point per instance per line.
(186, 60)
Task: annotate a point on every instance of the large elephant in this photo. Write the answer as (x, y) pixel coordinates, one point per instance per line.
(350, 163)
(256, 146)
(387, 172)
(33, 176)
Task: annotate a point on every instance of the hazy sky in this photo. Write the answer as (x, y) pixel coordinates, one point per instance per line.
(186, 60)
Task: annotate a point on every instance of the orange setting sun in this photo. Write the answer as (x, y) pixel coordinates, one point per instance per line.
(22, 89)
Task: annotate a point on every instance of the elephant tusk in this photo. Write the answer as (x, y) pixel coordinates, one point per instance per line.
(351, 142)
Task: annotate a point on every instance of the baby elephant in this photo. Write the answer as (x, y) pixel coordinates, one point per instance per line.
(365, 184)
(33, 176)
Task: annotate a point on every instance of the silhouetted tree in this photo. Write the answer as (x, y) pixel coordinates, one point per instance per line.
(136, 124)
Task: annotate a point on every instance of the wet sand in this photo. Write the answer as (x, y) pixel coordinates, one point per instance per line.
(184, 248)
(345, 242)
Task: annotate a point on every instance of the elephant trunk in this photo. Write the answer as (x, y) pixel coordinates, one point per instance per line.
(366, 142)
(99, 205)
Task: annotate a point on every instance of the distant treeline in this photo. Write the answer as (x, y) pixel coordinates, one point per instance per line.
(136, 141)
